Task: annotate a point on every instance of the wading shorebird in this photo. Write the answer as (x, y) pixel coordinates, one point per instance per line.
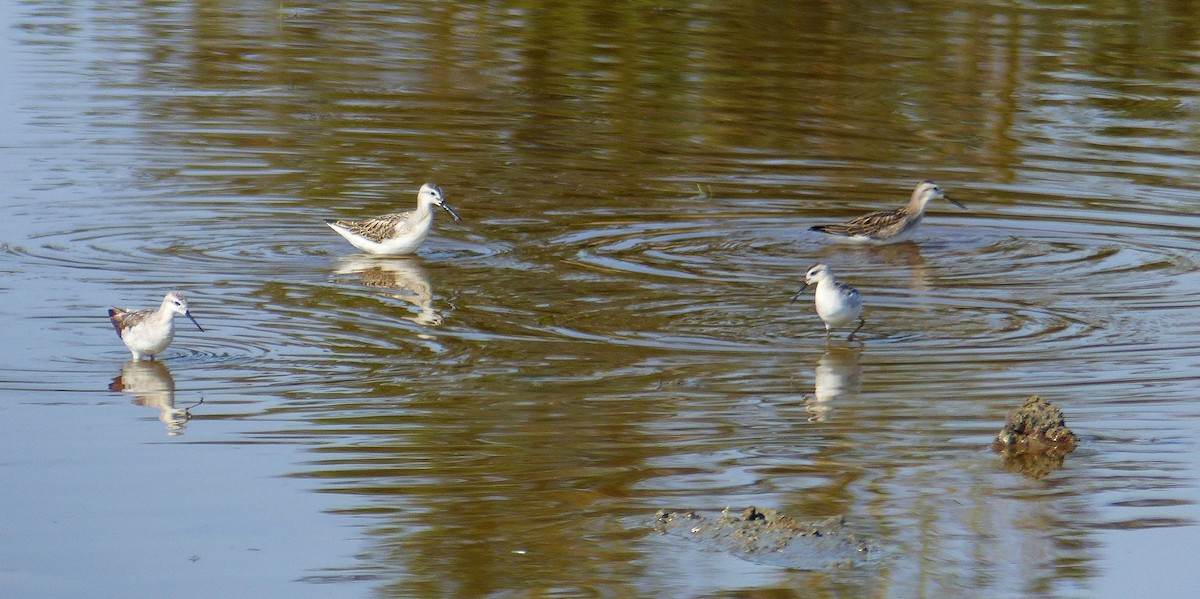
(399, 233)
(888, 226)
(837, 303)
(148, 332)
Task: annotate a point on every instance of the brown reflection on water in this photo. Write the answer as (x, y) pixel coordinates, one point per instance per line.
(151, 384)
(596, 340)
(401, 278)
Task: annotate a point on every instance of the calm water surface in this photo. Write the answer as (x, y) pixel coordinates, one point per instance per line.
(608, 331)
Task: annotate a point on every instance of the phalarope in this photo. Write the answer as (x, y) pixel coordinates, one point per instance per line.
(395, 234)
(888, 226)
(837, 303)
(148, 332)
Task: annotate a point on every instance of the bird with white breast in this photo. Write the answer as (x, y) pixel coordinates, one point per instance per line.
(837, 303)
(395, 234)
(149, 332)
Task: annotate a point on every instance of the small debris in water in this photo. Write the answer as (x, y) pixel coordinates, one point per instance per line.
(1035, 439)
(769, 537)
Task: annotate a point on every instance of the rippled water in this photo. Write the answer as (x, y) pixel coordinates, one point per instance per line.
(608, 331)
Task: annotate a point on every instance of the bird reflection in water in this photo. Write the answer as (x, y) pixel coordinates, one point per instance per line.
(903, 260)
(900, 256)
(838, 376)
(151, 384)
(405, 276)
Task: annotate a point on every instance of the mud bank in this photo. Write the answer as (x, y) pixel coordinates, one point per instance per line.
(769, 537)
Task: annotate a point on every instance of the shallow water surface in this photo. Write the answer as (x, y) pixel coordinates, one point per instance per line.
(608, 331)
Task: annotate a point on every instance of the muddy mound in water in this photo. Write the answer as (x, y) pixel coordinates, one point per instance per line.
(1035, 439)
(771, 538)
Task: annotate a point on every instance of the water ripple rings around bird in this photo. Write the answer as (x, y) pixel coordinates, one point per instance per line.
(232, 250)
(986, 285)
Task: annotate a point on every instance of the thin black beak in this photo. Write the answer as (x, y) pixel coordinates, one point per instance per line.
(797, 296)
(447, 208)
(954, 201)
(189, 315)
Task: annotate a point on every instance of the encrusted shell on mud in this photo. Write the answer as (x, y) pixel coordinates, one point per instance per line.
(769, 537)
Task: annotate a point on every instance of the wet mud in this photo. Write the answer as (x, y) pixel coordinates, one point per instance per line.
(771, 538)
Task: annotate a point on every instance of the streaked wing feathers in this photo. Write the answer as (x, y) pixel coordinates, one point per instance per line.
(846, 290)
(381, 228)
(124, 320)
(870, 225)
